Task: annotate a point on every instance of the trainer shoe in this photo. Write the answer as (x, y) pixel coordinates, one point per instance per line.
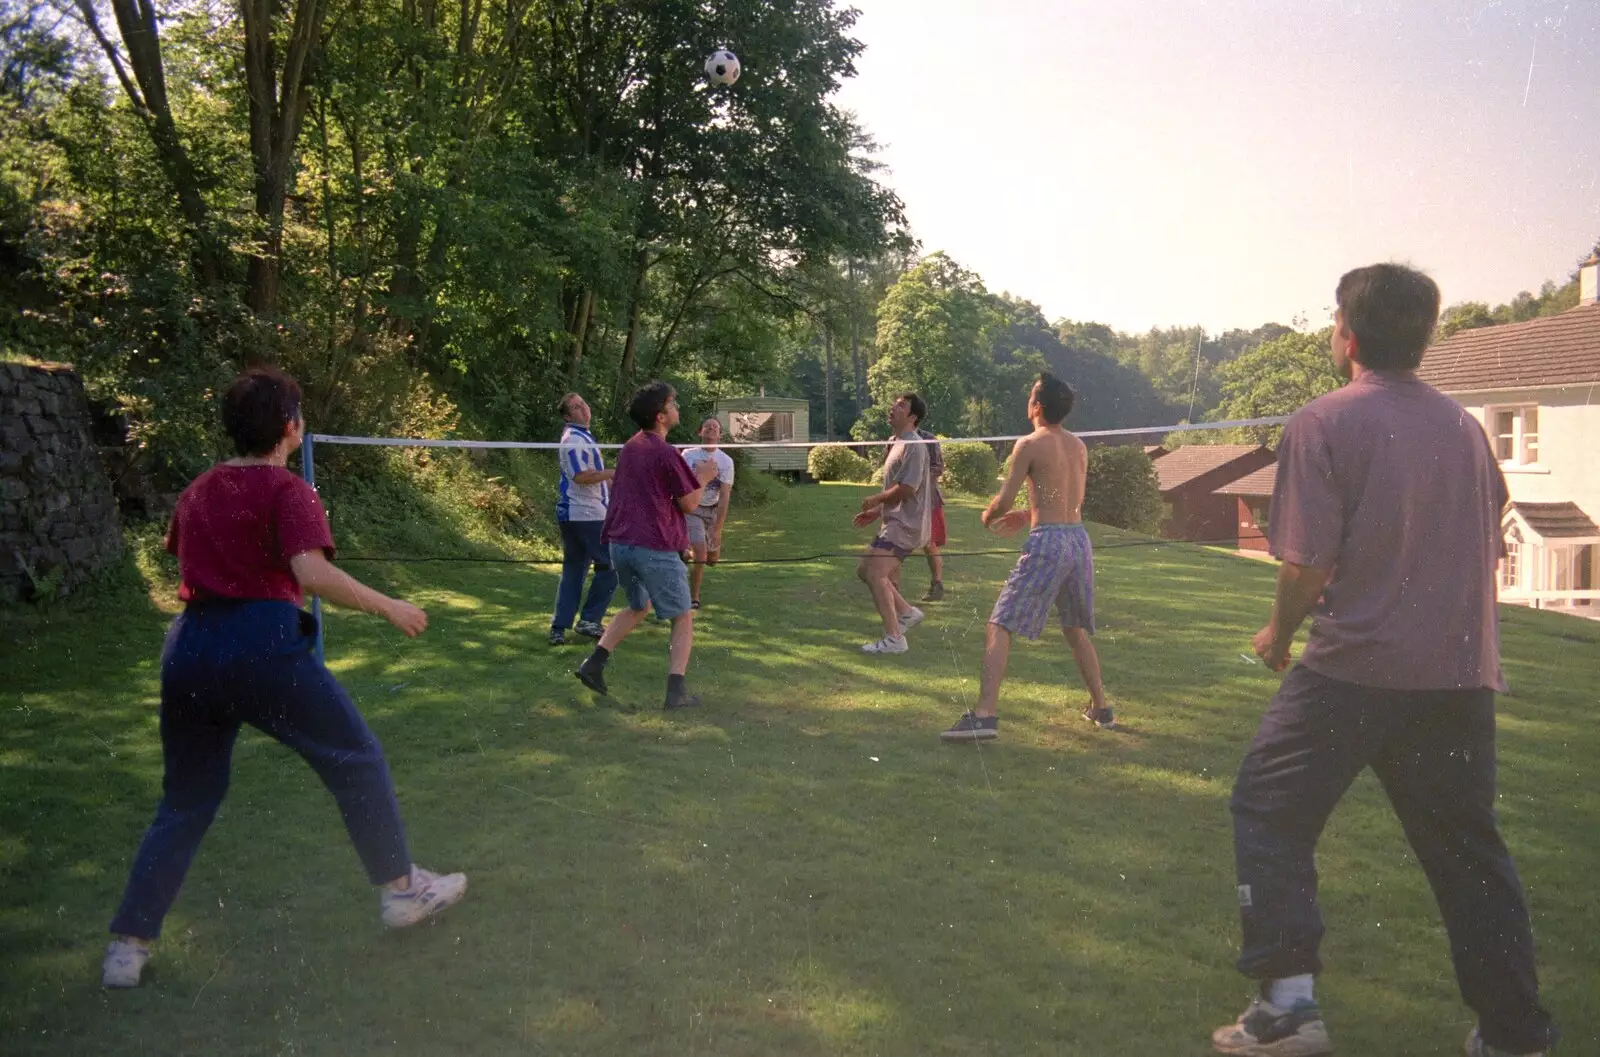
(429, 893)
(124, 962)
(911, 619)
(593, 675)
(1100, 717)
(887, 644)
(935, 592)
(681, 700)
(1264, 1030)
(973, 727)
(1476, 1047)
(558, 637)
(589, 629)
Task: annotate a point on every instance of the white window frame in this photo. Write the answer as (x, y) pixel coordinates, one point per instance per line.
(1511, 564)
(1523, 442)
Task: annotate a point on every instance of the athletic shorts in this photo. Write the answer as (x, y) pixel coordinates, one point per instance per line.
(938, 526)
(1056, 568)
(650, 576)
(882, 545)
(699, 527)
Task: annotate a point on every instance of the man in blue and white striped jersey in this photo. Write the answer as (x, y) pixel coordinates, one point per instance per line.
(581, 513)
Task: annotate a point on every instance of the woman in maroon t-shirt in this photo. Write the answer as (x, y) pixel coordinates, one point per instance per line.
(250, 537)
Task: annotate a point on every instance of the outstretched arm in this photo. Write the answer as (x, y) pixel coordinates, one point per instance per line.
(1016, 476)
(315, 573)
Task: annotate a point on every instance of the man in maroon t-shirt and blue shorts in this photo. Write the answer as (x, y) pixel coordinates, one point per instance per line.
(651, 492)
(1386, 517)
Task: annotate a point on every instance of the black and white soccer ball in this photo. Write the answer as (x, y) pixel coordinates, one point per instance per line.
(723, 66)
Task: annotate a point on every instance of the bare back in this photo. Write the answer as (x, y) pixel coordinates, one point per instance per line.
(1056, 463)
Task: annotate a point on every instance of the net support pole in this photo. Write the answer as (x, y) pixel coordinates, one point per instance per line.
(308, 470)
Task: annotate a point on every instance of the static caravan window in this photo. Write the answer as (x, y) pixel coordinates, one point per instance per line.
(756, 426)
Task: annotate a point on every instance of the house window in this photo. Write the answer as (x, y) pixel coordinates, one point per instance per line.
(1515, 433)
(756, 426)
(1511, 564)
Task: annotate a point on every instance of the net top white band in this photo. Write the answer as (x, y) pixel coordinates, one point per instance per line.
(415, 442)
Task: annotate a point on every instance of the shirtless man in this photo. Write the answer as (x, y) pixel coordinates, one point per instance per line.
(1057, 563)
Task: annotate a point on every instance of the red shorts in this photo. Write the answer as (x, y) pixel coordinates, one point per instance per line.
(938, 526)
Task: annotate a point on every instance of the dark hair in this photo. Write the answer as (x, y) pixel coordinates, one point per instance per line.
(1392, 311)
(648, 402)
(919, 409)
(1055, 398)
(564, 404)
(258, 407)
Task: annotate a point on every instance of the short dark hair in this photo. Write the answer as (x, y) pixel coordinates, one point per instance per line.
(1392, 311)
(1055, 398)
(565, 404)
(919, 409)
(648, 402)
(258, 407)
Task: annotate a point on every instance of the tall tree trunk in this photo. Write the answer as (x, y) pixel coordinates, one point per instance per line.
(827, 380)
(630, 344)
(136, 23)
(580, 328)
(857, 364)
(278, 101)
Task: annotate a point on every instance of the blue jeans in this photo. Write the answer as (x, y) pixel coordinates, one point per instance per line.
(226, 664)
(652, 576)
(1434, 753)
(581, 548)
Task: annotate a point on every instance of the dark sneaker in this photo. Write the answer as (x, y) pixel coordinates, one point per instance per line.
(935, 592)
(1100, 717)
(973, 727)
(558, 637)
(589, 629)
(1264, 1030)
(695, 604)
(593, 676)
(1476, 1047)
(681, 700)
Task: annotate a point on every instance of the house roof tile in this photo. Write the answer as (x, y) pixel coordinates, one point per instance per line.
(1256, 484)
(1557, 520)
(1178, 468)
(1562, 349)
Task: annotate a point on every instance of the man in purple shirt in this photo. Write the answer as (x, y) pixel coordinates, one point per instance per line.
(651, 491)
(1386, 517)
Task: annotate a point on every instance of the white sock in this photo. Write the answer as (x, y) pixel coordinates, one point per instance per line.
(1290, 991)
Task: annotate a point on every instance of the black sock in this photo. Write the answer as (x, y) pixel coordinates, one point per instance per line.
(600, 656)
(674, 685)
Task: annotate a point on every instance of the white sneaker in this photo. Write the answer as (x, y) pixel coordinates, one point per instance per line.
(911, 619)
(897, 644)
(124, 962)
(429, 893)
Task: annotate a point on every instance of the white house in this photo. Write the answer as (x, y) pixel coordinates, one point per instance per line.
(1535, 387)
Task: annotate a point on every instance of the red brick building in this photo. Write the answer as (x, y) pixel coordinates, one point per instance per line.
(1190, 478)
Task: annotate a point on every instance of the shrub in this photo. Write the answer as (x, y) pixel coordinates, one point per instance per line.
(751, 487)
(1123, 490)
(834, 462)
(970, 466)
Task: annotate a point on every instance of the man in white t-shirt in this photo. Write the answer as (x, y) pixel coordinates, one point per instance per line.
(581, 503)
(705, 524)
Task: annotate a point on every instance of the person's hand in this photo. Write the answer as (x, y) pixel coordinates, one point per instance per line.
(1009, 524)
(410, 620)
(872, 502)
(706, 472)
(1273, 654)
(865, 518)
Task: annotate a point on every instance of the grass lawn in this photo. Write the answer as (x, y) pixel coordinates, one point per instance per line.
(799, 867)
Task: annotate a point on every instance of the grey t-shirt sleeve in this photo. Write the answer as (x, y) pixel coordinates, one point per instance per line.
(1306, 522)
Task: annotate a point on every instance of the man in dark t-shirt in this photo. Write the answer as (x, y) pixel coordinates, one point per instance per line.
(1386, 517)
(651, 492)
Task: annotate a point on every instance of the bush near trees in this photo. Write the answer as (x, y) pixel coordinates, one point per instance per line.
(1123, 490)
(835, 462)
(970, 467)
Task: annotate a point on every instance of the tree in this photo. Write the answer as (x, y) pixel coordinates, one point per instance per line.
(1275, 378)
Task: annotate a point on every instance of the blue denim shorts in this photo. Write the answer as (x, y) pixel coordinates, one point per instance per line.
(648, 576)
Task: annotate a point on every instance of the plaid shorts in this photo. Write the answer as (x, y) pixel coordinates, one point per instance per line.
(1056, 568)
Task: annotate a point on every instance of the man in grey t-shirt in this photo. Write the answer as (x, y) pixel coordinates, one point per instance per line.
(906, 506)
(1386, 516)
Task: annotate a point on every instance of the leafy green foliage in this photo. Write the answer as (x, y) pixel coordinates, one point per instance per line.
(969, 467)
(1275, 378)
(1122, 489)
(837, 463)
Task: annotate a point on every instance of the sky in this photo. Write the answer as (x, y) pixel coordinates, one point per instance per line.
(1222, 162)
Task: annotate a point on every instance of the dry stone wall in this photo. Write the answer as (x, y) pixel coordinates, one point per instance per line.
(58, 517)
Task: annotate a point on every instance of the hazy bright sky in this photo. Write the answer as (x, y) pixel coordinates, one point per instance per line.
(1149, 163)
